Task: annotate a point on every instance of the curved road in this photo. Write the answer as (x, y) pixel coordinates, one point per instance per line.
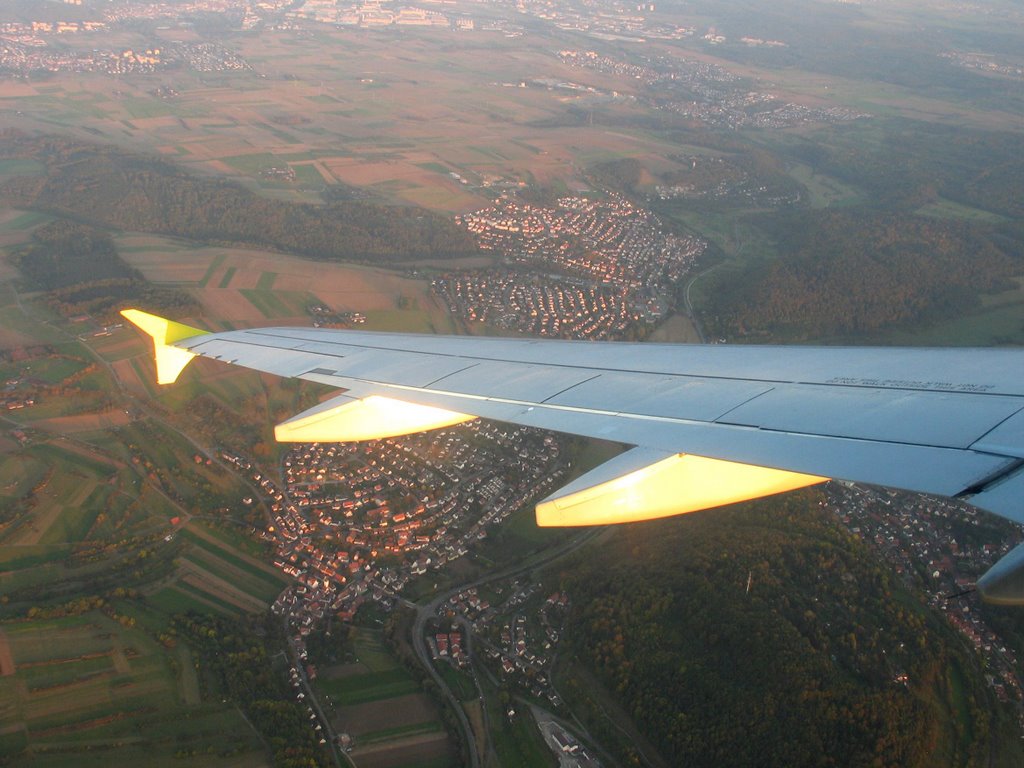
(689, 304)
(426, 612)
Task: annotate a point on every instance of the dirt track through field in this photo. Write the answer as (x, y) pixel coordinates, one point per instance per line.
(199, 577)
(85, 422)
(207, 536)
(6, 659)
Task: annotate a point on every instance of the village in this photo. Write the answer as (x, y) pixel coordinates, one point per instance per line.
(515, 625)
(584, 269)
(608, 241)
(25, 55)
(358, 522)
(940, 547)
(516, 302)
(708, 92)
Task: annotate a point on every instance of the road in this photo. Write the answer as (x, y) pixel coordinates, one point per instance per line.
(340, 758)
(425, 612)
(689, 304)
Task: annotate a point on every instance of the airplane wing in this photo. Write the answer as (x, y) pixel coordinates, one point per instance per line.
(711, 424)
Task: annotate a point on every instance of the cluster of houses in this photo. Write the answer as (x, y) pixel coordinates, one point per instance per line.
(518, 636)
(708, 92)
(70, 41)
(608, 241)
(23, 57)
(583, 269)
(448, 645)
(540, 307)
(941, 546)
(325, 317)
(29, 55)
(11, 399)
(358, 521)
(607, 19)
(375, 13)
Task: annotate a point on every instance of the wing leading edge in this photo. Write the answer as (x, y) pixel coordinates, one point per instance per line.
(713, 424)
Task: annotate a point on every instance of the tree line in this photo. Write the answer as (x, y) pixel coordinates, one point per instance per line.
(856, 271)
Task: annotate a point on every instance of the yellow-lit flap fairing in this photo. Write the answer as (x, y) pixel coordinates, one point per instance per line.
(672, 485)
(344, 418)
(170, 361)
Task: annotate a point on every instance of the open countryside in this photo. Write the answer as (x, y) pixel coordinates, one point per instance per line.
(176, 587)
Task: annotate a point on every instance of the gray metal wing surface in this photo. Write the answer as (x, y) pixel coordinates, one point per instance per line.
(941, 421)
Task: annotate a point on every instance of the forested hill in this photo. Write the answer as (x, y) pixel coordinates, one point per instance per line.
(856, 271)
(805, 670)
(103, 185)
(81, 271)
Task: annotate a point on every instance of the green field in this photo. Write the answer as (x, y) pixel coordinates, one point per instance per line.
(273, 304)
(232, 539)
(225, 280)
(997, 322)
(78, 518)
(89, 683)
(264, 577)
(252, 164)
(824, 191)
(372, 686)
(308, 176)
(25, 221)
(387, 734)
(242, 576)
(70, 462)
(460, 683)
(183, 598)
(51, 370)
(947, 209)
(20, 167)
(14, 318)
(214, 266)
(371, 652)
(518, 742)
(19, 473)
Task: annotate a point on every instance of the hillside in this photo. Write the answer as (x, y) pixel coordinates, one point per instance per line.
(805, 669)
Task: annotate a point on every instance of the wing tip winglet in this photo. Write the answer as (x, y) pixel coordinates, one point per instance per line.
(170, 360)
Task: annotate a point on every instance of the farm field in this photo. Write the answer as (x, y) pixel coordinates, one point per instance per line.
(242, 288)
(380, 706)
(93, 504)
(213, 573)
(450, 140)
(86, 683)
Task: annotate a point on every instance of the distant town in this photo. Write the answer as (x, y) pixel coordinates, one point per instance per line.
(688, 87)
